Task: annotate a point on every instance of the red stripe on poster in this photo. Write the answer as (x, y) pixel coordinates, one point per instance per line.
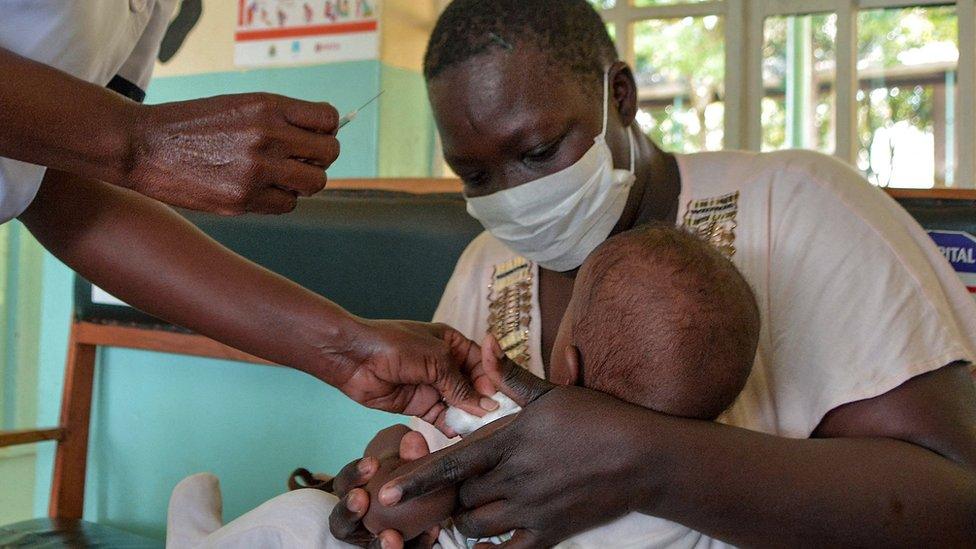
(301, 32)
(972, 289)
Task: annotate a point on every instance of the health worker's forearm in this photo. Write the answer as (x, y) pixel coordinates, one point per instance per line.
(151, 257)
(53, 119)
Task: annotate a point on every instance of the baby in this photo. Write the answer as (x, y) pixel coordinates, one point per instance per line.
(658, 318)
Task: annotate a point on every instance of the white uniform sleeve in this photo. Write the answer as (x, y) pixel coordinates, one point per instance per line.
(138, 68)
(860, 298)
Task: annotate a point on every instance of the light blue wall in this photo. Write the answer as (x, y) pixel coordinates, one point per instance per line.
(159, 418)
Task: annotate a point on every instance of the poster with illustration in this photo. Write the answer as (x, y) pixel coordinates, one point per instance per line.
(285, 32)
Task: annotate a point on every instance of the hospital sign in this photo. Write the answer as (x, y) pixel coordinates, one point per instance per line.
(959, 248)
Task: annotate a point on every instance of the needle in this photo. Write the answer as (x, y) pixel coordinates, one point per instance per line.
(345, 120)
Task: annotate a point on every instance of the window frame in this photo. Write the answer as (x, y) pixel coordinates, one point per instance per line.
(744, 27)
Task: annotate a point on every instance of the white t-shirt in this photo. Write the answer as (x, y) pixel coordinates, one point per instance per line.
(855, 299)
(94, 40)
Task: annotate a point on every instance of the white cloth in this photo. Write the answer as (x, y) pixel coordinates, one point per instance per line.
(855, 300)
(295, 520)
(93, 40)
(464, 423)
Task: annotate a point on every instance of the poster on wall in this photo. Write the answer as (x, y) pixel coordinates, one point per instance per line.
(286, 32)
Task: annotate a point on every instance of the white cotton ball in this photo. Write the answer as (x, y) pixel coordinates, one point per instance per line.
(464, 423)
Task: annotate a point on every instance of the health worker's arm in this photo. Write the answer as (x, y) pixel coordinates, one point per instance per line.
(228, 155)
(151, 257)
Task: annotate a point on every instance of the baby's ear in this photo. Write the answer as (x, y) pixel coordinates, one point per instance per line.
(514, 381)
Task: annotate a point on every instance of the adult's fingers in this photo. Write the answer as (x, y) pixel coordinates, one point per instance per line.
(317, 117)
(516, 382)
(445, 468)
(465, 352)
(425, 540)
(355, 475)
(346, 519)
(300, 178)
(456, 385)
(318, 149)
(273, 201)
(458, 391)
(434, 413)
(388, 539)
(482, 490)
(486, 521)
(413, 446)
(420, 400)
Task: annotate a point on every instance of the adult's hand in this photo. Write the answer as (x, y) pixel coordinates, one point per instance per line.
(228, 155)
(534, 467)
(346, 521)
(409, 368)
(232, 154)
(547, 474)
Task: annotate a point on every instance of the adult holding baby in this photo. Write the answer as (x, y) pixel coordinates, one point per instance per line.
(857, 426)
(87, 169)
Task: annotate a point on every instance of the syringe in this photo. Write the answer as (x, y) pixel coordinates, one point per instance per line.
(345, 120)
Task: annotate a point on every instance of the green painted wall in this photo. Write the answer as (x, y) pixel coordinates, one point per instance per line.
(20, 306)
(407, 133)
(158, 418)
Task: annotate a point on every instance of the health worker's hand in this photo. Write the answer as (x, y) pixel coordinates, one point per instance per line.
(231, 154)
(411, 368)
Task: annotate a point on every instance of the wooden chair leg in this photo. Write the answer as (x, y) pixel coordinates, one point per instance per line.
(68, 484)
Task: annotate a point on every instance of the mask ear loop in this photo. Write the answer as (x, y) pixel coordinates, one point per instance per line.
(606, 101)
(633, 150)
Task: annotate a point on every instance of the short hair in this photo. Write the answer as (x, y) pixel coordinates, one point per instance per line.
(665, 321)
(570, 32)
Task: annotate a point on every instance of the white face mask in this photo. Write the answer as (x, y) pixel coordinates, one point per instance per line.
(556, 221)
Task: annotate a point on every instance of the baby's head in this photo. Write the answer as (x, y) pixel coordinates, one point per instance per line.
(660, 319)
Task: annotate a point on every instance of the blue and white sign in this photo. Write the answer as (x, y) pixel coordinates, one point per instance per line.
(960, 249)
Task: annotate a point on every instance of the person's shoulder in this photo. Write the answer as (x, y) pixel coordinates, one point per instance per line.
(779, 165)
(795, 175)
(814, 167)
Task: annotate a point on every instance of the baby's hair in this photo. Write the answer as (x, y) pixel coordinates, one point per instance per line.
(664, 320)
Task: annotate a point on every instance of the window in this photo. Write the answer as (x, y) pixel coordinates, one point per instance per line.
(887, 85)
(680, 71)
(799, 69)
(907, 61)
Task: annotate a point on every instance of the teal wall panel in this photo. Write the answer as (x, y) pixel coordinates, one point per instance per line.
(159, 418)
(407, 134)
